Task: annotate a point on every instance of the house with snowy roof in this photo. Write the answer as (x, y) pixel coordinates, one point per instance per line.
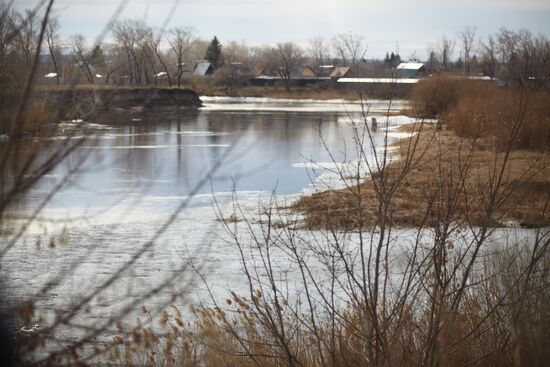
(411, 70)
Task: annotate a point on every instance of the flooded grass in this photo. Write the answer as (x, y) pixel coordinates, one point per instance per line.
(450, 157)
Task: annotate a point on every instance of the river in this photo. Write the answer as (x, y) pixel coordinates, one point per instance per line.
(135, 169)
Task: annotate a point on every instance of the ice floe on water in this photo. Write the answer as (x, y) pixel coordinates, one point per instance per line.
(298, 105)
(319, 165)
(202, 133)
(382, 120)
(81, 123)
(98, 134)
(109, 147)
(157, 146)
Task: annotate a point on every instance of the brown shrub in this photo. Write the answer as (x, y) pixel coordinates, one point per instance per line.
(494, 114)
(435, 96)
(483, 110)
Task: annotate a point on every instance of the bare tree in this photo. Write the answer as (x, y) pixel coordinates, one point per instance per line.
(236, 52)
(237, 66)
(148, 60)
(155, 47)
(181, 41)
(131, 35)
(287, 57)
(351, 49)
(524, 58)
(467, 39)
(54, 46)
(489, 61)
(125, 38)
(339, 48)
(145, 60)
(445, 49)
(28, 35)
(7, 27)
(8, 39)
(319, 50)
(82, 56)
(115, 60)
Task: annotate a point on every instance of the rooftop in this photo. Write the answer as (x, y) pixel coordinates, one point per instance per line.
(410, 66)
(379, 80)
(203, 68)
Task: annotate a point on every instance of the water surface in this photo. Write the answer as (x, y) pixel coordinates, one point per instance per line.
(136, 167)
(142, 160)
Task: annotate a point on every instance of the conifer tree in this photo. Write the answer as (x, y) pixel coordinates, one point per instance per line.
(214, 52)
(387, 60)
(396, 61)
(98, 58)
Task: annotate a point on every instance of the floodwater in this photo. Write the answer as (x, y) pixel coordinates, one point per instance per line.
(142, 160)
(113, 219)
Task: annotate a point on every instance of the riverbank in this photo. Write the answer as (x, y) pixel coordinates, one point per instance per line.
(443, 175)
(87, 99)
(51, 104)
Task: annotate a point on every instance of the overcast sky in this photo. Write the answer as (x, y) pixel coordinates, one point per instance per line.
(413, 24)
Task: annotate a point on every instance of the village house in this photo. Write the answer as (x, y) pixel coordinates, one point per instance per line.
(411, 70)
(319, 72)
(341, 72)
(203, 68)
(309, 72)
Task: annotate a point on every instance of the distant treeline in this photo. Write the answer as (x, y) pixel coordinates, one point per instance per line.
(140, 54)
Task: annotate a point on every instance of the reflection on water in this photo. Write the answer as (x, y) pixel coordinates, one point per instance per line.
(141, 155)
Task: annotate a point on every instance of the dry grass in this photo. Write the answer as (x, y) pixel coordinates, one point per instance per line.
(36, 114)
(448, 160)
(483, 331)
(280, 92)
(493, 115)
